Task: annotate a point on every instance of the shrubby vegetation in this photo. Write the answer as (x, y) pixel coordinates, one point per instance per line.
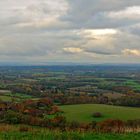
(44, 113)
(97, 115)
(40, 112)
(38, 134)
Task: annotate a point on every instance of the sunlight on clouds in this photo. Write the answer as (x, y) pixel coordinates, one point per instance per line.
(100, 32)
(97, 35)
(134, 52)
(99, 38)
(73, 50)
(129, 12)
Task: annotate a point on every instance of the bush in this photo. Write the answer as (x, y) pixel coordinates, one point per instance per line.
(93, 124)
(74, 125)
(12, 117)
(109, 126)
(23, 129)
(97, 115)
(133, 123)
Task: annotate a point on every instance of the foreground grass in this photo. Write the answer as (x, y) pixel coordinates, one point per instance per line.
(83, 113)
(66, 136)
(14, 132)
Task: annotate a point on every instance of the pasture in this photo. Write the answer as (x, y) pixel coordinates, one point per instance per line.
(83, 112)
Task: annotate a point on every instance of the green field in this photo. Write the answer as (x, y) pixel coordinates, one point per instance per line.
(66, 136)
(83, 113)
(13, 132)
(16, 96)
(5, 98)
(133, 84)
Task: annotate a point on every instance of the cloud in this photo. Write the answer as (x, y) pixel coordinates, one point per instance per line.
(101, 52)
(40, 30)
(129, 12)
(133, 52)
(33, 13)
(72, 50)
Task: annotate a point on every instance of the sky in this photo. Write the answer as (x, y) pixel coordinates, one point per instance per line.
(77, 31)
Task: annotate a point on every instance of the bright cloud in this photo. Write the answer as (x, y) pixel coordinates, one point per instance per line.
(129, 12)
(73, 50)
(100, 32)
(134, 52)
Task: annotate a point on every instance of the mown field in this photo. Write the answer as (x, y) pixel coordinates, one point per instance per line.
(83, 113)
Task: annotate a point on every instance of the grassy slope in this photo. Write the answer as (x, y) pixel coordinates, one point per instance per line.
(83, 113)
(66, 136)
(13, 132)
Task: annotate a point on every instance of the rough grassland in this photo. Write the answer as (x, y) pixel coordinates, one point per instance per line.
(13, 132)
(66, 136)
(83, 113)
